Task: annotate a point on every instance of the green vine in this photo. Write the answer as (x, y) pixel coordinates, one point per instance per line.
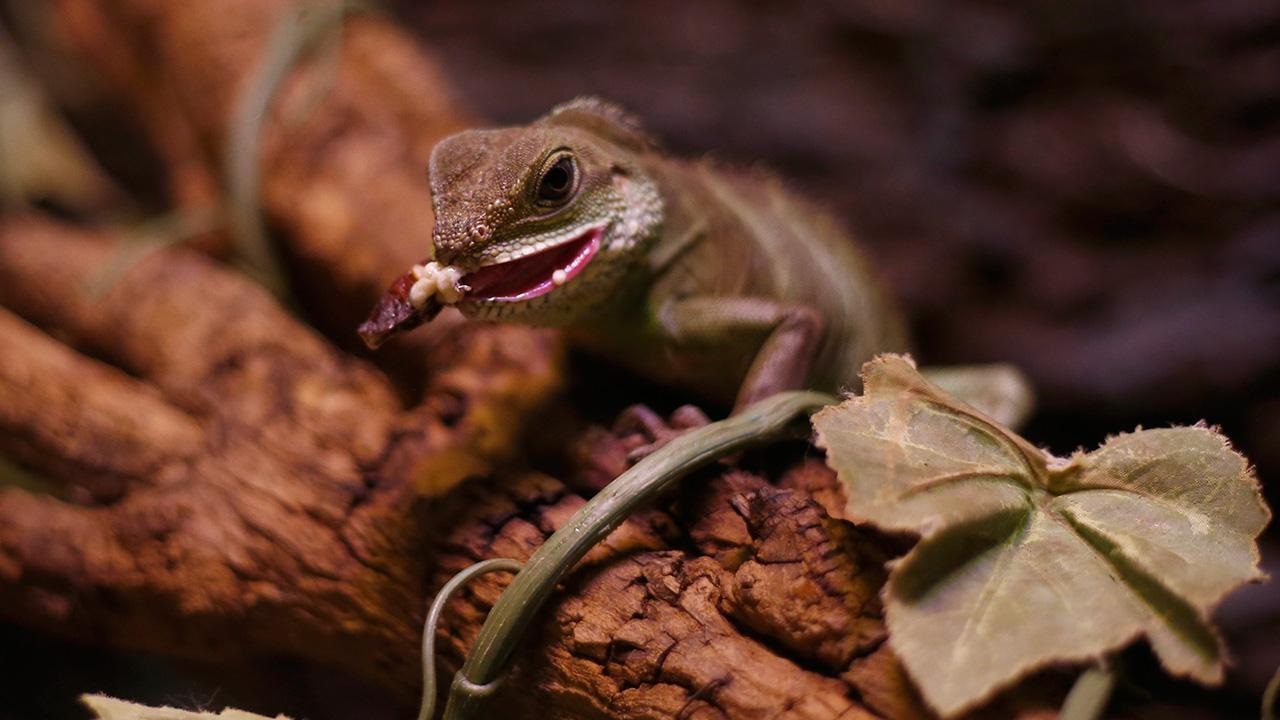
(766, 421)
(298, 34)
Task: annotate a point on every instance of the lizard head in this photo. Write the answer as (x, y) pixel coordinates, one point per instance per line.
(536, 224)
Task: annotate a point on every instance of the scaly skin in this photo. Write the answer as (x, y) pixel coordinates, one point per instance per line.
(717, 281)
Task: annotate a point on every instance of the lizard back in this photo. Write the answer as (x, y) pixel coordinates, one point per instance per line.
(742, 233)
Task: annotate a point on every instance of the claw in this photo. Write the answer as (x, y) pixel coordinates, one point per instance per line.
(640, 419)
(643, 421)
(688, 417)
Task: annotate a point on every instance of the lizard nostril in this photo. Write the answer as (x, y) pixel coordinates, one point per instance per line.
(479, 231)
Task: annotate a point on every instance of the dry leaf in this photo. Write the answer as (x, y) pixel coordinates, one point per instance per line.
(1026, 559)
(109, 708)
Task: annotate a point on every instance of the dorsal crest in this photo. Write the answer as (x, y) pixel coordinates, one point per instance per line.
(603, 119)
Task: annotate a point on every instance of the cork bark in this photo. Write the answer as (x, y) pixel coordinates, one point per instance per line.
(225, 478)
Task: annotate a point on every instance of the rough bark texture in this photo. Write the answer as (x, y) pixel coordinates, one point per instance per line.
(227, 481)
(234, 484)
(729, 615)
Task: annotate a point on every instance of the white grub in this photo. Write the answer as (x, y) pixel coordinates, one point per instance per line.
(436, 279)
(447, 285)
(559, 277)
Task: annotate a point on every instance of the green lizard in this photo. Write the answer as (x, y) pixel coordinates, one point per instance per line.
(716, 281)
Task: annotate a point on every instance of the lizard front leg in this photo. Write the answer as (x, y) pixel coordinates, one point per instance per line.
(791, 334)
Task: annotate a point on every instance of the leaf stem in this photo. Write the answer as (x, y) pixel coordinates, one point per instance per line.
(296, 35)
(767, 420)
(1269, 697)
(428, 706)
(1090, 694)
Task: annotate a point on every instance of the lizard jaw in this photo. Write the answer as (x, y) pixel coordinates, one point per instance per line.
(512, 281)
(535, 274)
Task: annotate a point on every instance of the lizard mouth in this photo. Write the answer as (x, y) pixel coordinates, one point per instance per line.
(513, 281)
(533, 275)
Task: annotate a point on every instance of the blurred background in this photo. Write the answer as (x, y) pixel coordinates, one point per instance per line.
(1087, 189)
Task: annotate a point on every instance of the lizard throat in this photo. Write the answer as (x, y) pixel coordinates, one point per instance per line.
(533, 275)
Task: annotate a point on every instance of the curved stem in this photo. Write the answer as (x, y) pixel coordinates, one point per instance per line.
(297, 33)
(428, 707)
(1090, 694)
(520, 603)
(1269, 697)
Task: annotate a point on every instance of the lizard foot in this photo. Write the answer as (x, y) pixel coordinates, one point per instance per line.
(654, 432)
(602, 455)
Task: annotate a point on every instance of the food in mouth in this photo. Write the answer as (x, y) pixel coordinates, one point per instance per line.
(396, 313)
(415, 297)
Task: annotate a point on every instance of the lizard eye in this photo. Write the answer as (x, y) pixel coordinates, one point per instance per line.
(557, 183)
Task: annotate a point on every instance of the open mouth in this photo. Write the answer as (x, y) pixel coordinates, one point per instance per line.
(520, 279)
(533, 275)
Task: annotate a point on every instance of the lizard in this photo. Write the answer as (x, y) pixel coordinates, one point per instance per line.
(715, 280)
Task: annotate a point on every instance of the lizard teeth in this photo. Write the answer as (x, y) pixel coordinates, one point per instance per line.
(534, 274)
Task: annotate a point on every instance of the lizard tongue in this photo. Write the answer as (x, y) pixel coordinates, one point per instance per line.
(533, 275)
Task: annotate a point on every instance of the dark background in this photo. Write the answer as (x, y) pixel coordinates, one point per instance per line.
(1088, 189)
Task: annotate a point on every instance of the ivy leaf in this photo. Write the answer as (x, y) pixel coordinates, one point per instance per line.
(1027, 560)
